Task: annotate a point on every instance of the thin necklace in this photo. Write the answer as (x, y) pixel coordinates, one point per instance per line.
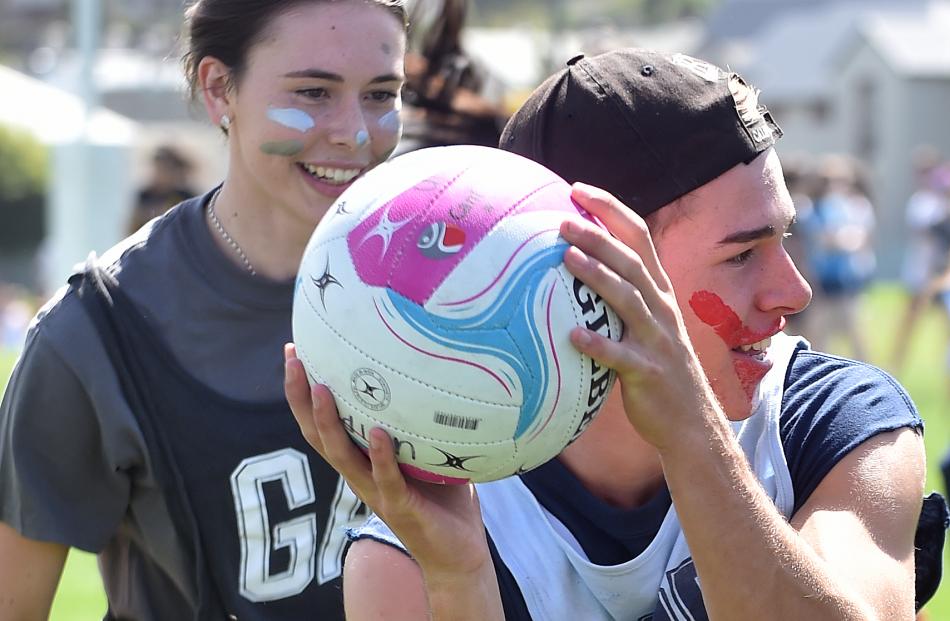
(224, 234)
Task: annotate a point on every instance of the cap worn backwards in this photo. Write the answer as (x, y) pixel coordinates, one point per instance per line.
(646, 126)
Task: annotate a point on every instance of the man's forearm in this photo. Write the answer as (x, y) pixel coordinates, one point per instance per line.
(464, 598)
(747, 556)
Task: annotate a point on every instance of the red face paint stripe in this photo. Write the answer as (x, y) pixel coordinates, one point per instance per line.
(715, 313)
(749, 374)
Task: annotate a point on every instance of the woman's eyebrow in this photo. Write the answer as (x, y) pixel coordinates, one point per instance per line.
(320, 74)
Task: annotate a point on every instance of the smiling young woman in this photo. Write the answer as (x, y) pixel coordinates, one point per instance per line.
(308, 113)
(177, 459)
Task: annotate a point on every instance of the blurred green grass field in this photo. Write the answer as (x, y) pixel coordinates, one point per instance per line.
(80, 595)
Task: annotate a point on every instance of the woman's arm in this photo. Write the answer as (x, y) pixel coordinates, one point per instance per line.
(29, 575)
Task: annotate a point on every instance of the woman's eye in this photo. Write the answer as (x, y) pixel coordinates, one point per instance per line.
(313, 93)
(382, 96)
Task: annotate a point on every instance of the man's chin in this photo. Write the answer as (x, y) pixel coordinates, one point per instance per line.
(739, 414)
(731, 398)
(737, 406)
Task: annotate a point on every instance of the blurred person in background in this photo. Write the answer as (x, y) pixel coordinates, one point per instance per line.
(169, 183)
(16, 309)
(839, 231)
(937, 286)
(927, 215)
(801, 182)
(145, 420)
(446, 94)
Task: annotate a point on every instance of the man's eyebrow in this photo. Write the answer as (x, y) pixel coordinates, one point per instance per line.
(744, 237)
(320, 74)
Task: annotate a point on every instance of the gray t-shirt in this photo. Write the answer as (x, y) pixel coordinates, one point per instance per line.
(74, 465)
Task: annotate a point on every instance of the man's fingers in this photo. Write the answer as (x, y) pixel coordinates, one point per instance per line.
(627, 361)
(315, 412)
(624, 224)
(616, 272)
(337, 446)
(374, 477)
(625, 298)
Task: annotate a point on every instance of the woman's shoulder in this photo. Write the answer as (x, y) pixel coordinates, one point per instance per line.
(61, 323)
(159, 240)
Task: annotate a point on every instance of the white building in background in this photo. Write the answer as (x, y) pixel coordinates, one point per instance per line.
(520, 58)
(892, 94)
(867, 79)
(90, 177)
(150, 89)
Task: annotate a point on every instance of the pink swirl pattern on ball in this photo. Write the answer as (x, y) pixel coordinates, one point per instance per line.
(393, 248)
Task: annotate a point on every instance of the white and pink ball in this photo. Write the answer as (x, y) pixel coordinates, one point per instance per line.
(433, 301)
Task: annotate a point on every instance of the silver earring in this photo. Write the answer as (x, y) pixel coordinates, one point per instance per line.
(225, 122)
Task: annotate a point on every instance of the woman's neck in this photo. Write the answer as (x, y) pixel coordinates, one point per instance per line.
(271, 237)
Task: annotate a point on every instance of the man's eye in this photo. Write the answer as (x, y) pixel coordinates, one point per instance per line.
(741, 259)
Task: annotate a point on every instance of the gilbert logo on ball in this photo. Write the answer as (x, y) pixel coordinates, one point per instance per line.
(433, 301)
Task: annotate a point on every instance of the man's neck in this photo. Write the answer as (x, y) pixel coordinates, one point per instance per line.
(612, 461)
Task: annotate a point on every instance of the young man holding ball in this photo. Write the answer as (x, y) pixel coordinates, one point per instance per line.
(734, 473)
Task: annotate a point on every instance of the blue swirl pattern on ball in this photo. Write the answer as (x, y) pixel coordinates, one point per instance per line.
(506, 330)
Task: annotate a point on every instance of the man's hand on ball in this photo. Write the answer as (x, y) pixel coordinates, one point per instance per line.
(659, 373)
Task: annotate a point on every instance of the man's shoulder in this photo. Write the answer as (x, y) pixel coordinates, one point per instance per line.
(830, 406)
(812, 372)
(829, 393)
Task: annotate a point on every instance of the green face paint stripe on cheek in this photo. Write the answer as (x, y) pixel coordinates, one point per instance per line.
(286, 148)
(389, 154)
(292, 118)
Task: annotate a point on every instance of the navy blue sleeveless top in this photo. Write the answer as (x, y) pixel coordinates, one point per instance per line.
(258, 520)
(830, 405)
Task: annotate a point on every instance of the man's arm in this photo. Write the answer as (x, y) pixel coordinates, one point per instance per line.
(847, 554)
(862, 518)
(381, 582)
(29, 575)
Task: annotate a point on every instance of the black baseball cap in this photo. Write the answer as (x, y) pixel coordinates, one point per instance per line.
(646, 126)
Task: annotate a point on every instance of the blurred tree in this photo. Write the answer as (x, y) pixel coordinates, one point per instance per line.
(23, 176)
(656, 11)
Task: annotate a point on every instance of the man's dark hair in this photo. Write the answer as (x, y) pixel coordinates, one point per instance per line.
(649, 127)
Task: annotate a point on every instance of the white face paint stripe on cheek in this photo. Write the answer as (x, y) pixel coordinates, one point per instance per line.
(391, 121)
(292, 118)
(362, 137)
